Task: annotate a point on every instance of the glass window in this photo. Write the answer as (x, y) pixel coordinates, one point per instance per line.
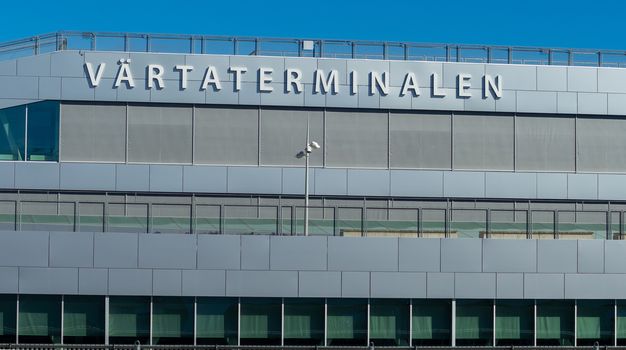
(13, 123)
(582, 225)
(127, 217)
(391, 222)
(433, 223)
(172, 321)
(620, 326)
(432, 322)
(594, 322)
(474, 322)
(47, 216)
(347, 322)
(509, 224)
(599, 144)
(250, 220)
(83, 320)
(349, 222)
(129, 320)
(40, 319)
(171, 218)
(216, 321)
(91, 218)
(260, 321)
(8, 310)
(43, 131)
(208, 219)
(542, 224)
(467, 223)
(7, 215)
(389, 322)
(514, 322)
(304, 322)
(321, 221)
(555, 322)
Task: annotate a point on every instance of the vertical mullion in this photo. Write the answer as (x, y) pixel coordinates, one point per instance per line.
(239, 321)
(26, 133)
(17, 319)
(282, 321)
(195, 321)
(535, 322)
(614, 322)
(453, 328)
(410, 322)
(493, 323)
(62, 317)
(151, 319)
(369, 302)
(106, 320)
(575, 322)
(325, 321)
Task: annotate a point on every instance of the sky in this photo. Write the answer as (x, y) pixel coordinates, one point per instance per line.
(546, 23)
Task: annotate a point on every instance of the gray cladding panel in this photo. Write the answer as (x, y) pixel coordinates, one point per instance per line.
(167, 251)
(24, 249)
(93, 281)
(219, 252)
(510, 285)
(116, 250)
(421, 255)
(9, 280)
(398, 285)
(475, 285)
(167, 282)
(509, 255)
(255, 252)
(298, 253)
(319, 284)
(71, 249)
(204, 283)
(355, 284)
(357, 254)
(544, 286)
(262, 283)
(130, 282)
(440, 285)
(557, 256)
(461, 255)
(36, 280)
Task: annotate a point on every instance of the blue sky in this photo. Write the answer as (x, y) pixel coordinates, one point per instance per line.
(588, 24)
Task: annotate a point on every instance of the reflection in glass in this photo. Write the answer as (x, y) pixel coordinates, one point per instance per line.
(216, 321)
(555, 322)
(172, 321)
(594, 322)
(432, 322)
(40, 319)
(389, 322)
(474, 322)
(129, 320)
(12, 132)
(43, 131)
(7, 318)
(83, 320)
(347, 322)
(304, 322)
(514, 322)
(260, 321)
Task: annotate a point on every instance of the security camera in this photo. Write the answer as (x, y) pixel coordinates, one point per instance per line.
(314, 145)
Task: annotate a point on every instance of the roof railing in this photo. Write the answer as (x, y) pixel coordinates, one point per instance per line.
(290, 47)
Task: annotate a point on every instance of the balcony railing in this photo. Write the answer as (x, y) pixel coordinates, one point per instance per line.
(290, 47)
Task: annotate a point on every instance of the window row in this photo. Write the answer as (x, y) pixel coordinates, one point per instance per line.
(428, 222)
(273, 136)
(333, 322)
(30, 132)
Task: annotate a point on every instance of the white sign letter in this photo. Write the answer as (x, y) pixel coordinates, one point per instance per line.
(211, 77)
(94, 79)
(436, 91)
(155, 73)
(410, 84)
(183, 74)
(264, 79)
(354, 83)
(378, 82)
(237, 72)
(495, 85)
(293, 79)
(463, 85)
(324, 86)
(124, 74)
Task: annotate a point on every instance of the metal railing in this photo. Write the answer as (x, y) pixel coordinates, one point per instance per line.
(290, 47)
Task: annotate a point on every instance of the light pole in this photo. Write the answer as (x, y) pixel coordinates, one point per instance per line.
(310, 146)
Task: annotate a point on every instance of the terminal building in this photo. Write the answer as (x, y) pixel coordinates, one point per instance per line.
(152, 190)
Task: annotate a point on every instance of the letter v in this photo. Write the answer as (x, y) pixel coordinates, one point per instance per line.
(94, 80)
